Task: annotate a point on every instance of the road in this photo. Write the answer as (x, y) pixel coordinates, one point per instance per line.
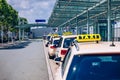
(24, 64)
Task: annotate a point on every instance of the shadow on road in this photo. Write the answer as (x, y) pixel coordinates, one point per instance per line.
(18, 45)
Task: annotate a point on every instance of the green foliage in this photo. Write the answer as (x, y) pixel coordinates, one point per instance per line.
(23, 20)
(8, 16)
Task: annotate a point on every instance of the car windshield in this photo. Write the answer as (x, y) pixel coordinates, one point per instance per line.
(56, 42)
(67, 42)
(48, 38)
(95, 67)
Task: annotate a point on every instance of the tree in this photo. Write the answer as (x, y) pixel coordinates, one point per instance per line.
(9, 17)
(24, 21)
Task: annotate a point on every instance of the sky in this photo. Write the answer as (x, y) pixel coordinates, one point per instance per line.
(33, 9)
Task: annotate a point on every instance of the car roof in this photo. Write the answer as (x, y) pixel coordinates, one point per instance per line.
(68, 36)
(98, 48)
(56, 38)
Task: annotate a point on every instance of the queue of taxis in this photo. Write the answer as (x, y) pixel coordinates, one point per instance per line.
(88, 58)
(53, 44)
(58, 45)
(49, 38)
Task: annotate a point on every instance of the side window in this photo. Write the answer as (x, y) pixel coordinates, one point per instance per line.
(74, 66)
(67, 42)
(65, 61)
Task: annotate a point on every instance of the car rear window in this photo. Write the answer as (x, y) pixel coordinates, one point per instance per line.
(56, 42)
(95, 67)
(67, 42)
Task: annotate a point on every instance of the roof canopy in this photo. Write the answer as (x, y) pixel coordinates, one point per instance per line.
(77, 12)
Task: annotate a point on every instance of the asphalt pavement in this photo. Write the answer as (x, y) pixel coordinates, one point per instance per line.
(26, 63)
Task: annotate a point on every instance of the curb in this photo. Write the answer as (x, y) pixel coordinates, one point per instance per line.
(48, 64)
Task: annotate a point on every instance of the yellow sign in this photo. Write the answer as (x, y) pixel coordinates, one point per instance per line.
(67, 33)
(54, 35)
(88, 37)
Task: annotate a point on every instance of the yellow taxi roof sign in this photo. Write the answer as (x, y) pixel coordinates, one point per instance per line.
(49, 35)
(67, 33)
(54, 35)
(88, 37)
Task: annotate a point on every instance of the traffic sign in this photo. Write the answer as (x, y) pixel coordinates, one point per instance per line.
(40, 20)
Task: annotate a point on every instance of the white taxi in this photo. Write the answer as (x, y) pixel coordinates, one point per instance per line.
(52, 47)
(90, 61)
(49, 38)
(64, 45)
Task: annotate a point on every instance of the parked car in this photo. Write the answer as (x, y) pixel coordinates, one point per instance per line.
(90, 61)
(52, 47)
(64, 45)
(47, 40)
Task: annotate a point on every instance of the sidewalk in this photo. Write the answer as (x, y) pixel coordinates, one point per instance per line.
(5, 45)
(51, 65)
(15, 44)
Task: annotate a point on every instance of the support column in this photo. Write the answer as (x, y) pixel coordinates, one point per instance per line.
(76, 26)
(23, 34)
(61, 30)
(19, 34)
(88, 22)
(109, 20)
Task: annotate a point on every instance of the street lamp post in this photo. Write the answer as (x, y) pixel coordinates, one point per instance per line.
(23, 30)
(19, 29)
(19, 34)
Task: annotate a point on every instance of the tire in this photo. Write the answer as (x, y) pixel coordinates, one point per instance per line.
(51, 57)
(46, 45)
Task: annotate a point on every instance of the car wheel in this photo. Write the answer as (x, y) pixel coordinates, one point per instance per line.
(51, 57)
(46, 45)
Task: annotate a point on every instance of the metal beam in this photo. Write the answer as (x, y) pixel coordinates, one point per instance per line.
(31, 25)
(87, 22)
(96, 5)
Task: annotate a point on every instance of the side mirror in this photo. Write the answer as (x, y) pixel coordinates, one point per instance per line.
(50, 42)
(58, 59)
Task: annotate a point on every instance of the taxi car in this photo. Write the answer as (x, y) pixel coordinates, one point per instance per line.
(49, 38)
(63, 45)
(52, 47)
(90, 61)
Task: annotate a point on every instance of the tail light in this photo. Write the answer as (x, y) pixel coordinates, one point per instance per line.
(52, 47)
(63, 52)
